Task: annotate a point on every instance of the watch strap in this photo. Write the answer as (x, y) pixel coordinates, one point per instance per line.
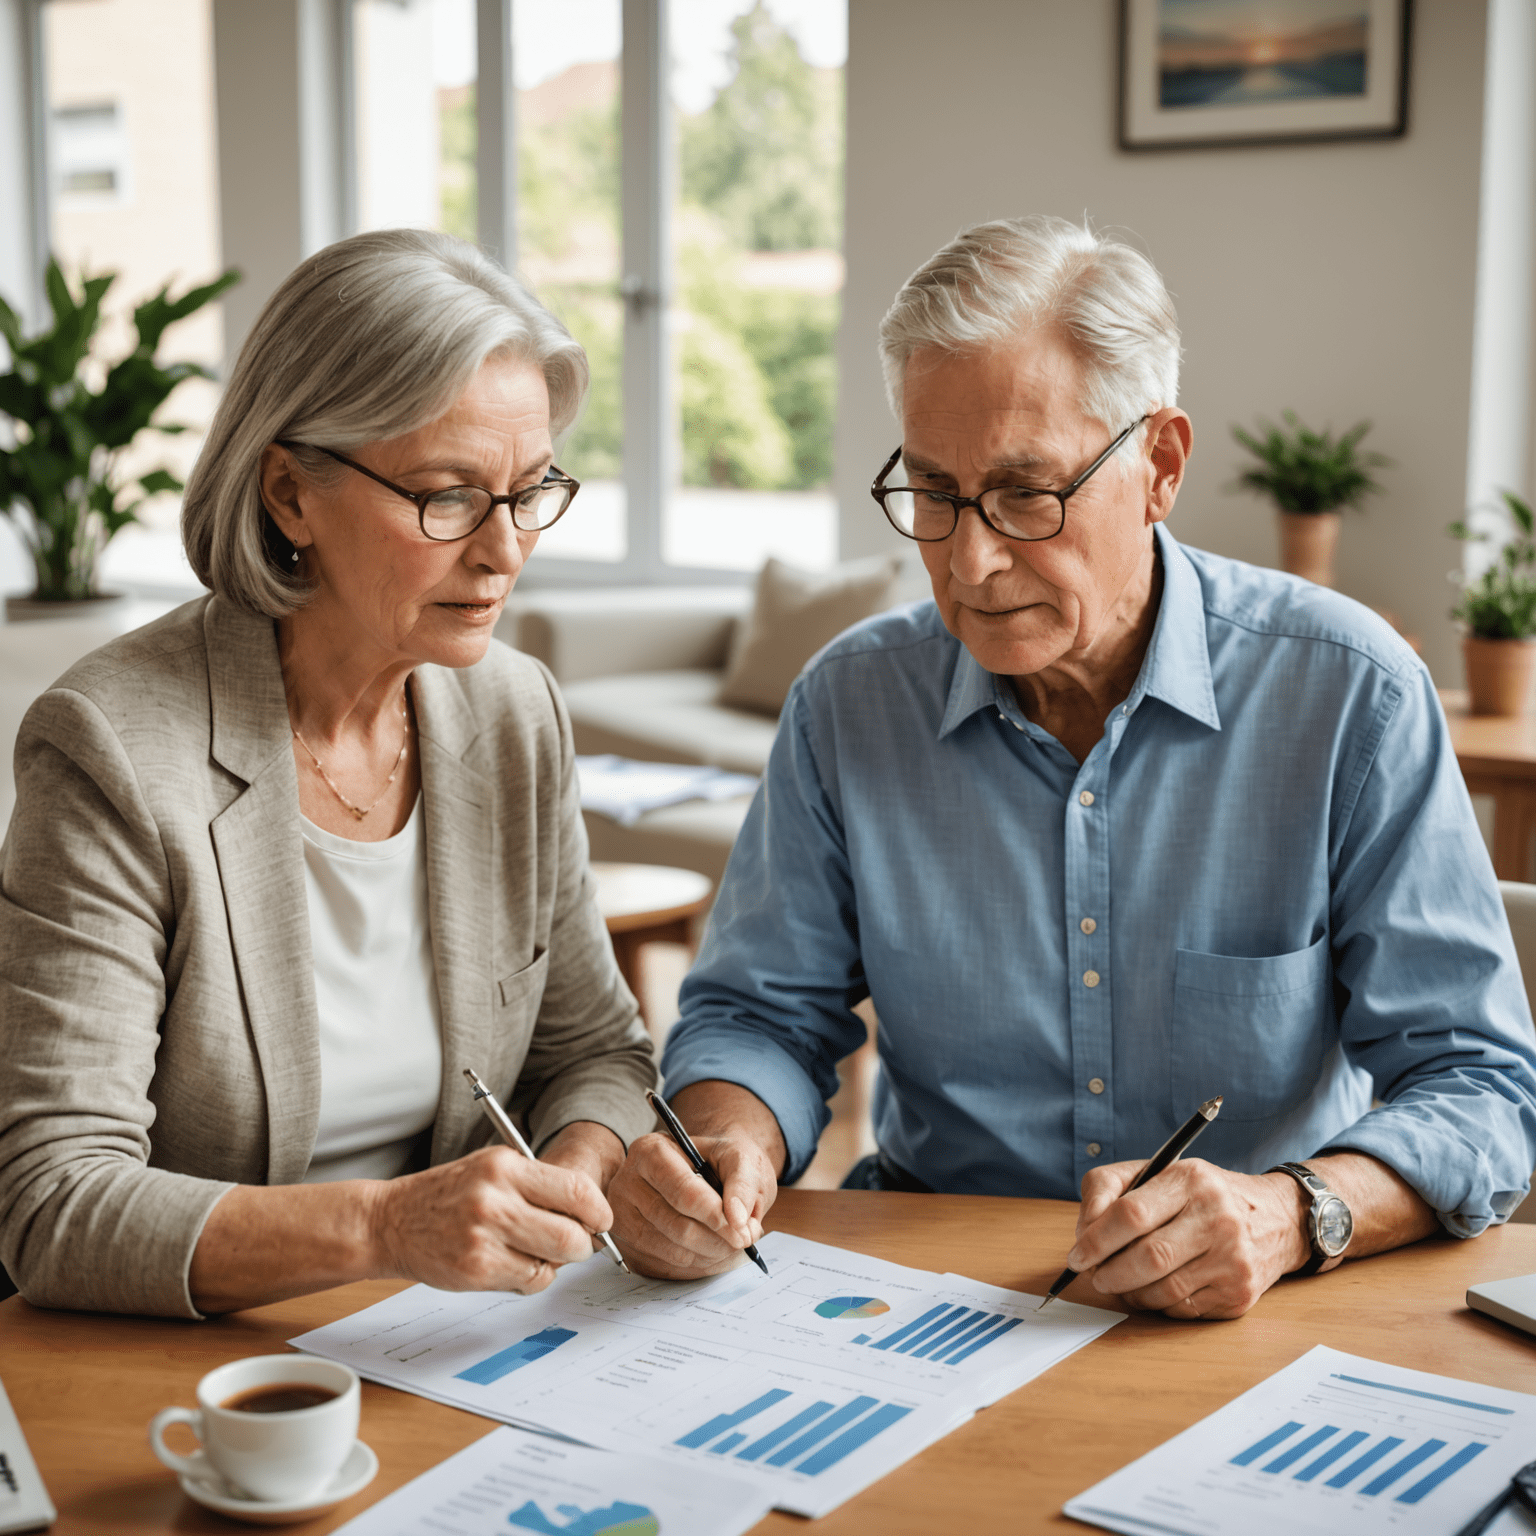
(1317, 1188)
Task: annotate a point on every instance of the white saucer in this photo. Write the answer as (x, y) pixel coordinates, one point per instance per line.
(210, 1490)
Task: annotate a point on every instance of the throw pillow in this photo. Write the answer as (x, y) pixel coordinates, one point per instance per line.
(796, 613)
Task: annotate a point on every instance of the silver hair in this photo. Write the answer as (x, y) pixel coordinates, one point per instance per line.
(996, 281)
(370, 338)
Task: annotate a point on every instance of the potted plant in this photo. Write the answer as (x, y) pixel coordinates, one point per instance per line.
(58, 482)
(1310, 476)
(1499, 611)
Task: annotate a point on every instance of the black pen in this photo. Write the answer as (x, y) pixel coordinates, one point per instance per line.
(1170, 1151)
(685, 1141)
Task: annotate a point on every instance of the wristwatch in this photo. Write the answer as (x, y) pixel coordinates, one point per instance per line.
(1330, 1224)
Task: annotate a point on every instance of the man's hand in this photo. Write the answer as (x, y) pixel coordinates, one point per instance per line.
(1199, 1241)
(668, 1222)
(491, 1221)
(1196, 1241)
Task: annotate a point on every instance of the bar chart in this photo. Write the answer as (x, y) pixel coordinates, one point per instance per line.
(945, 1334)
(1295, 1444)
(806, 1439)
(487, 1372)
(1332, 1444)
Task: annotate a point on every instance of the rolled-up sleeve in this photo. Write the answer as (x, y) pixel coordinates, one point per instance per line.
(768, 1006)
(1429, 989)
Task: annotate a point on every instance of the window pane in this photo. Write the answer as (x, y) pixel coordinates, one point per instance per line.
(757, 86)
(568, 233)
(414, 75)
(134, 169)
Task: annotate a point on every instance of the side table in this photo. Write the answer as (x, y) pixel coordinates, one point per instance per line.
(1497, 756)
(647, 904)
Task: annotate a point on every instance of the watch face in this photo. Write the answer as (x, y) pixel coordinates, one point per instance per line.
(1335, 1226)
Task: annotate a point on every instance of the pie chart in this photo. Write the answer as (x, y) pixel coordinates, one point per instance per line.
(851, 1306)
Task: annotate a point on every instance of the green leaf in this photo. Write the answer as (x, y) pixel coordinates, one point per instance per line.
(158, 480)
(155, 314)
(1306, 471)
(10, 325)
(1520, 512)
(60, 300)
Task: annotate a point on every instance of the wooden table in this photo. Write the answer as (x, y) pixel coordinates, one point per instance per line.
(1497, 755)
(84, 1386)
(648, 904)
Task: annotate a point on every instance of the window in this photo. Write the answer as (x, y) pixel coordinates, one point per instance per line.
(757, 93)
(570, 241)
(414, 103)
(134, 172)
(90, 154)
(724, 289)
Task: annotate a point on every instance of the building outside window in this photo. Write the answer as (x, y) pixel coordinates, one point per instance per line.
(133, 170)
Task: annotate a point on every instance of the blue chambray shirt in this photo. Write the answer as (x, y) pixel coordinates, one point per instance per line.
(1265, 882)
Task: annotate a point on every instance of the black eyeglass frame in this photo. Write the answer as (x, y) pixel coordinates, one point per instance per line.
(553, 476)
(880, 490)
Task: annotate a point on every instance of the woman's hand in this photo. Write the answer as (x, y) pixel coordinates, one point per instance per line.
(491, 1221)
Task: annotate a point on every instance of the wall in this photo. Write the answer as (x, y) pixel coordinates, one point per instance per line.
(1336, 279)
(1499, 453)
(278, 68)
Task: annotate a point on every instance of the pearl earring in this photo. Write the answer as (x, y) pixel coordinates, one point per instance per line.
(295, 554)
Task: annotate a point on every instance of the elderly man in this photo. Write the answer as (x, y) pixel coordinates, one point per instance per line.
(1108, 828)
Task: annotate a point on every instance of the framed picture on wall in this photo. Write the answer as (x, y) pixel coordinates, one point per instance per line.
(1199, 73)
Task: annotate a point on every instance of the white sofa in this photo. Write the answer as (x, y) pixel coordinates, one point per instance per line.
(639, 669)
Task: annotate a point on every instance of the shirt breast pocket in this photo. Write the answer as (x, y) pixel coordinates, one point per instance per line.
(1255, 1030)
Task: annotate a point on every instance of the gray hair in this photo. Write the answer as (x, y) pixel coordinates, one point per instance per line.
(994, 282)
(370, 338)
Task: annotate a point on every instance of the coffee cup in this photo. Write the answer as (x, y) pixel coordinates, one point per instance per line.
(275, 1427)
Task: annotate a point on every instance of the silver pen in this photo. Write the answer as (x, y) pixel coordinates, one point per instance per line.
(510, 1134)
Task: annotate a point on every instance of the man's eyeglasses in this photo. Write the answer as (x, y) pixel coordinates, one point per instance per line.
(457, 510)
(1023, 512)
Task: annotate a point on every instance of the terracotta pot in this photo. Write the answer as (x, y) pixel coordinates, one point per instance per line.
(1499, 674)
(1308, 541)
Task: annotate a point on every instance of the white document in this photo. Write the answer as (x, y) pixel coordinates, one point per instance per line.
(24, 1502)
(812, 1382)
(1332, 1443)
(625, 789)
(511, 1483)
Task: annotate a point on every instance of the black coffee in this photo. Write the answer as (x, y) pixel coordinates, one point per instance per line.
(279, 1397)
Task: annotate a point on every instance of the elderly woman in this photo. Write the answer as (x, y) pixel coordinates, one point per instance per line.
(285, 862)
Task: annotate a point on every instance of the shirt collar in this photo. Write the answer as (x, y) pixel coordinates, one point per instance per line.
(1177, 668)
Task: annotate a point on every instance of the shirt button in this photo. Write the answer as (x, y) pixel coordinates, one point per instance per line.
(1087, 925)
(1090, 978)
(1094, 1149)
(1095, 1085)
(1086, 798)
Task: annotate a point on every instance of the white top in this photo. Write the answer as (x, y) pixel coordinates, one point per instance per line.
(381, 1050)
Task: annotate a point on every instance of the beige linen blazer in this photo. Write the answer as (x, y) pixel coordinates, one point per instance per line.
(158, 1034)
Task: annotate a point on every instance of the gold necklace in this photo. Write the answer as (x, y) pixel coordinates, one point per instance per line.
(360, 811)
